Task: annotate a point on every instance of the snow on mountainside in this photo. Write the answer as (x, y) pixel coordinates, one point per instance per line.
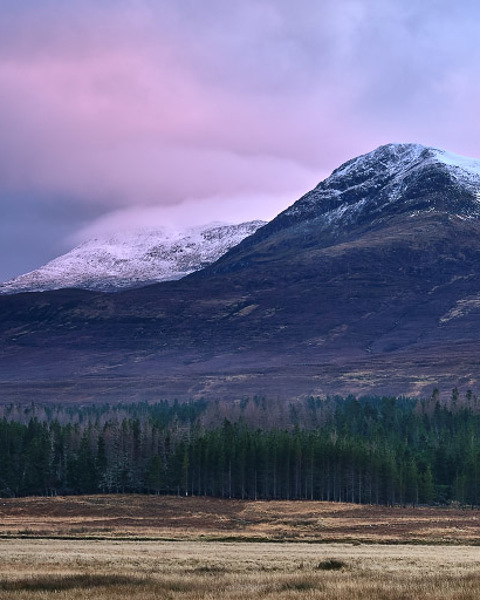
(393, 179)
(133, 259)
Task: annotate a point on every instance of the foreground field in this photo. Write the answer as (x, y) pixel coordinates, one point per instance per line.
(174, 518)
(107, 570)
(145, 548)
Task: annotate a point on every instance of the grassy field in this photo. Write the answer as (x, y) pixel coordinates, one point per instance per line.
(168, 517)
(58, 569)
(110, 547)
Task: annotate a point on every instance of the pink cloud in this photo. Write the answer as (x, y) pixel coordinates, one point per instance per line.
(123, 117)
(138, 104)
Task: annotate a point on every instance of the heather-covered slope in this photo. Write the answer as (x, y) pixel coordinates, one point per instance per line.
(367, 283)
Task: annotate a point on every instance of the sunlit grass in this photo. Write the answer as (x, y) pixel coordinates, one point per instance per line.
(107, 570)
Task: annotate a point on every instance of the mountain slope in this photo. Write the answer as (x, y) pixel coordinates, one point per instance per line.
(369, 283)
(368, 192)
(133, 259)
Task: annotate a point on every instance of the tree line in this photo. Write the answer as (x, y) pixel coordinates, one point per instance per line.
(363, 450)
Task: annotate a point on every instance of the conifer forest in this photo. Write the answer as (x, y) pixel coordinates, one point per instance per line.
(377, 450)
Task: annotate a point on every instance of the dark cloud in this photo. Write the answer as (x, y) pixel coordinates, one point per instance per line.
(34, 230)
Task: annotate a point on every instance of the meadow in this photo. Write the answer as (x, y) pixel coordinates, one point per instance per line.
(157, 547)
(200, 518)
(40, 569)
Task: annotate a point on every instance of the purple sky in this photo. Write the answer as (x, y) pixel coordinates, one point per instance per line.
(130, 113)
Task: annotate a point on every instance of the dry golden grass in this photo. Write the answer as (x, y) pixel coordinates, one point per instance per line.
(106, 570)
(145, 548)
(160, 517)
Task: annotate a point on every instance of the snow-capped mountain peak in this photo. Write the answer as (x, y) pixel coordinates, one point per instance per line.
(134, 259)
(393, 179)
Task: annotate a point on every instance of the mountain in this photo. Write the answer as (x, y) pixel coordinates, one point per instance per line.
(133, 259)
(395, 180)
(367, 284)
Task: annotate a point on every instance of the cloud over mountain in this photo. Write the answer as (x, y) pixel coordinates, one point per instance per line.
(111, 106)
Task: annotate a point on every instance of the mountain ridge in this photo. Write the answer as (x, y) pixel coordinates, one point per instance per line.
(385, 172)
(388, 303)
(333, 210)
(133, 259)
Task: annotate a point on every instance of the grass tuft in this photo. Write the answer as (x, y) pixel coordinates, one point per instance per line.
(331, 564)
